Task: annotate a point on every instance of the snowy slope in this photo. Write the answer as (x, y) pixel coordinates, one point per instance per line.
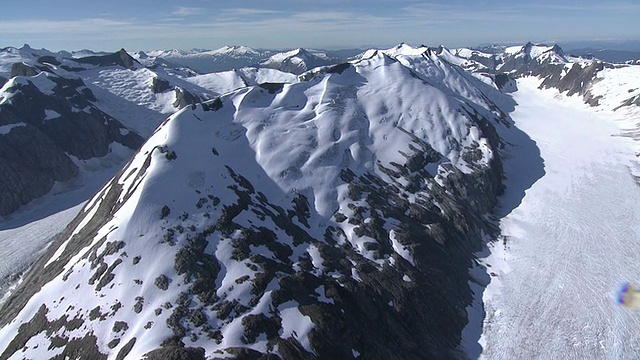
(129, 95)
(268, 218)
(226, 81)
(434, 66)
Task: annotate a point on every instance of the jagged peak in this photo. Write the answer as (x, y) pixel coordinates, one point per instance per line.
(557, 49)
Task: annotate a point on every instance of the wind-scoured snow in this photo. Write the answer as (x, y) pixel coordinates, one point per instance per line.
(618, 89)
(570, 243)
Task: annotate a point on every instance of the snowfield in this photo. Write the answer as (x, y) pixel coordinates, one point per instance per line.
(570, 243)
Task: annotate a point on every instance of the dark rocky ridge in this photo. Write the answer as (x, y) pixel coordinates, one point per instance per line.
(578, 80)
(120, 58)
(22, 69)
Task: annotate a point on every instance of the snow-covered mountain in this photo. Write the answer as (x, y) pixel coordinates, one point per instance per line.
(569, 74)
(227, 58)
(68, 98)
(304, 220)
(298, 60)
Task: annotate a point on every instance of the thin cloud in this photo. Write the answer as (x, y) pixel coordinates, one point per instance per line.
(248, 12)
(60, 26)
(187, 11)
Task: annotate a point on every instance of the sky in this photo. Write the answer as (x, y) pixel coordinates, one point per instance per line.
(330, 24)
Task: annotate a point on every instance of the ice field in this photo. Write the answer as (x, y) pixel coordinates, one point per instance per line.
(570, 243)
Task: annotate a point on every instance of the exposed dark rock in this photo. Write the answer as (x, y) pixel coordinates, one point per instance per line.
(22, 69)
(576, 81)
(82, 130)
(339, 68)
(26, 171)
(213, 105)
(162, 282)
(124, 351)
(501, 80)
(159, 85)
(272, 88)
(49, 60)
(77, 348)
(184, 98)
(634, 100)
(121, 58)
(175, 353)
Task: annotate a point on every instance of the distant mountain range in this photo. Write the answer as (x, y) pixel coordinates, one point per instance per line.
(236, 57)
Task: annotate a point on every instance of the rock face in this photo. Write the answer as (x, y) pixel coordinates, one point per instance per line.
(22, 69)
(334, 218)
(159, 85)
(41, 126)
(184, 98)
(577, 80)
(567, 74)
(121, 58)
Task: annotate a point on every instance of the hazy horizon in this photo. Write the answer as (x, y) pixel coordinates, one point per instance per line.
(332, 24)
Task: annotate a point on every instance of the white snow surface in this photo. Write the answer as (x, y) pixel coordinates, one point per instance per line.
(570, 243)
(227, 81)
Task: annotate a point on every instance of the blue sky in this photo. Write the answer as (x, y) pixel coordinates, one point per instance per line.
(279, 24)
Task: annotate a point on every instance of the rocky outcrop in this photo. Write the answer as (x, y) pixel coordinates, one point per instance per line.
(184, 98)
(29, 166)
(22, 69)
(577, 80)
(121, 58)
(159, 85)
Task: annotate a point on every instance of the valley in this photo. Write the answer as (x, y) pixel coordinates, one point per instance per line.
(573, 240)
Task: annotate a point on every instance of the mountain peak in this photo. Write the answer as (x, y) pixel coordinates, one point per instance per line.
(121, 58)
